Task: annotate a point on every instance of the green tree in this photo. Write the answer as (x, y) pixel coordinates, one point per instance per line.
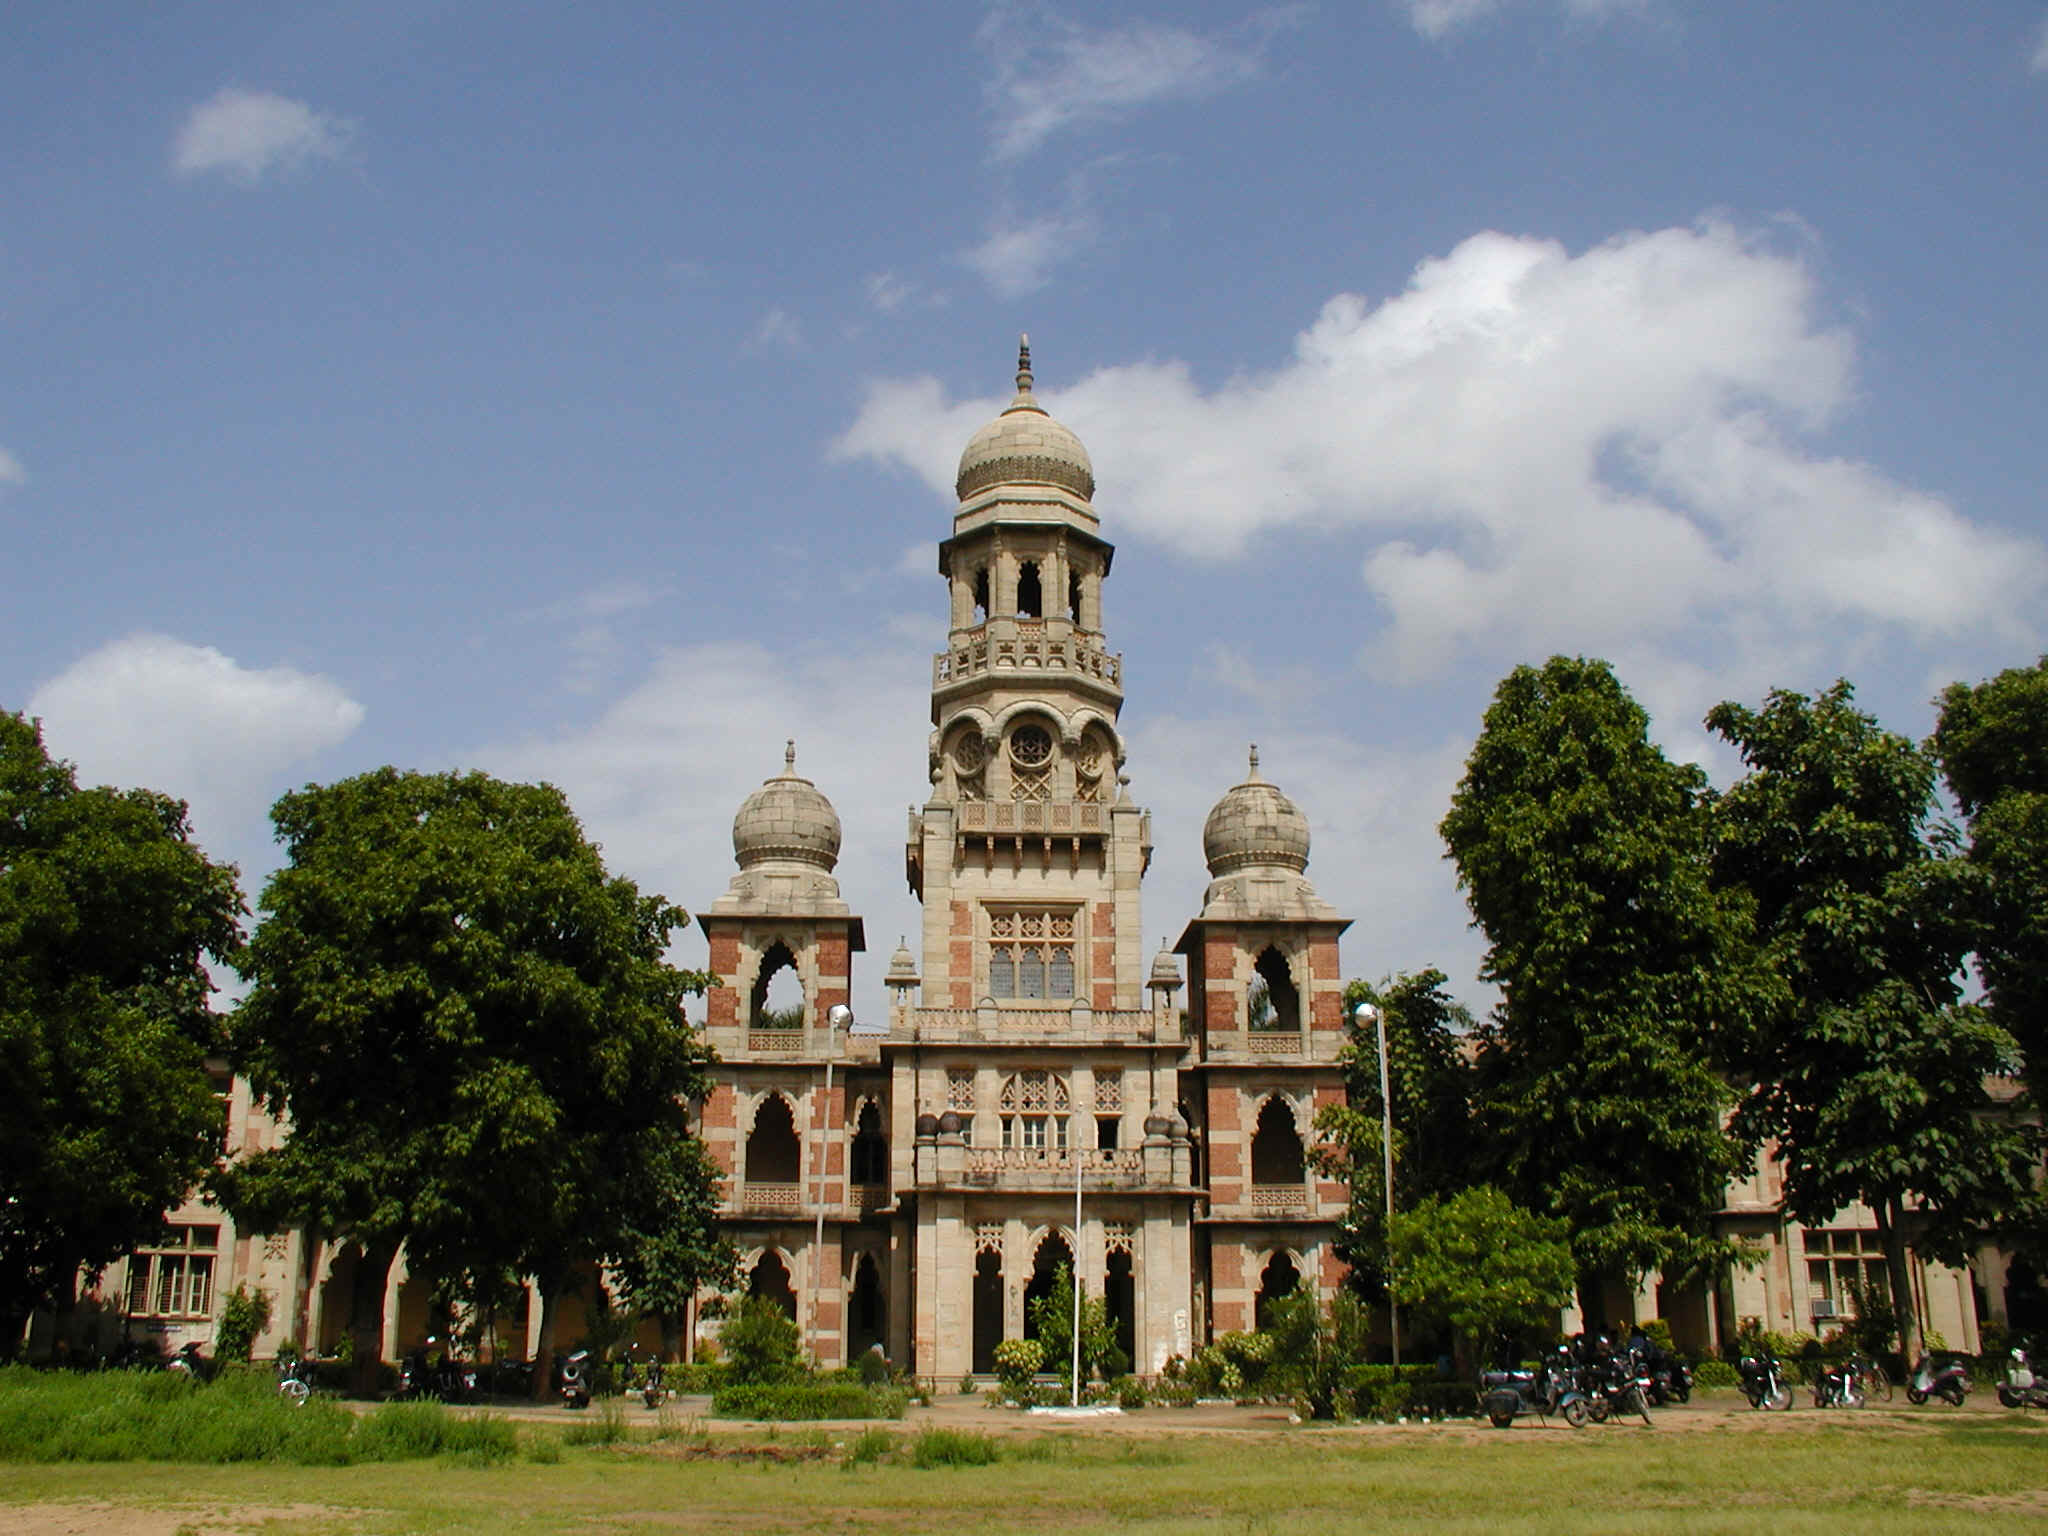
(1431, 1083)
(1315, 1345)
(1482, 1266)
(759, 1342)
(1868, 1079)
(1992, 743)
(1582, 853)
(476, 1037)
(670, 1246)
(107, 909)
(1052, 1323)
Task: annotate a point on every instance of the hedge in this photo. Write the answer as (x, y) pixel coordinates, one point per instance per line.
(807, 1400)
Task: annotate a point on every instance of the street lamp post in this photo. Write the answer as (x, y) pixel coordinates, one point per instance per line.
(838, 1017)
(1377, 1017)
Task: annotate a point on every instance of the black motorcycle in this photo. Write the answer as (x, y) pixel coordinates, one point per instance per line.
(190, 1360)
(572, 1379)
(1552, 1388)
(1939, 1373)
(1763, 1382)
(1617, 1382)
(2021, 1388)
(427, 1372)
(1839, 1385)
(1670, 1378)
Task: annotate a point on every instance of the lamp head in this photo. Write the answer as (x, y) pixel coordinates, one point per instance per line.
(838, 1016)
(1366, 1013)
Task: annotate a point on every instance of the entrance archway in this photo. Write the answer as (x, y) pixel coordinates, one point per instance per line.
(771, 1279)
(867, 1324)
(1119, 1294)
(1045, 1264)
(988, 1310)
(1279, 1278)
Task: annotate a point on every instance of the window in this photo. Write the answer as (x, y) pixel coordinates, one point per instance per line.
(1106, 1132)
(1842, 1267)
(174, 1276)
(1031, 763)
(1031, 955)
(1034, 1112)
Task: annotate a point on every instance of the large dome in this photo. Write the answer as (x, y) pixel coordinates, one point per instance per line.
(1024, 446)
(1254, 824)
(786, 819)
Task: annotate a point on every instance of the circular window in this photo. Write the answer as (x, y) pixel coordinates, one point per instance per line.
(967, 752)
(1031, 745)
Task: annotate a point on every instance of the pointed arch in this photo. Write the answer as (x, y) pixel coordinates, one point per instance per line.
(1278, 1156)
(1280, 1276)
(778, 997)
(774, 1151)
(1272, 1003)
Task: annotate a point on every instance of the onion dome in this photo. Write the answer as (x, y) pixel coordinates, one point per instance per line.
(787, 820)
(1254, 824)
(1025, 446)
(1165, 969)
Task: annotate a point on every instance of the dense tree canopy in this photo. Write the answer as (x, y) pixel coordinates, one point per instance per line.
(1582, 853)
(106, 911)
(1992, 742)
(472, 1027)
(1479, 1264)
(1868, 1077)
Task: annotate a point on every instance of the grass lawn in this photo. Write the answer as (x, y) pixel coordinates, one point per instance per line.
(1877, 1471)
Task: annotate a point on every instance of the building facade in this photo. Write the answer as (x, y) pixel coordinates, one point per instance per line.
(1040, 1098)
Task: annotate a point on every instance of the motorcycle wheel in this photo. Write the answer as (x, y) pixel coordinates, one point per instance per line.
(294, 1392)
(1915, 1396)
(1953, 1395)
(1500, 1420)
(2008, 1398)
(1574, 1411)
(1780, 1399)
(1855, 1399)
(1681, 1393)
(1642, 1405)
(1596, 1409)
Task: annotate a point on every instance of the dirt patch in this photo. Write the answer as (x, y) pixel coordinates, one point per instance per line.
(91, 1517)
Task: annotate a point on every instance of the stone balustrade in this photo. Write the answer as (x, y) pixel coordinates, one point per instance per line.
(1028, 650)
(1075, 1025)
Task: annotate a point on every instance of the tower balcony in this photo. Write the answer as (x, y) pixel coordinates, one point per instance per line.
(1066, 1027)
(1028, 647)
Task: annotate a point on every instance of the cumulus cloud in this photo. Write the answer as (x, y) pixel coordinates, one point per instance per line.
(1051, 74)
(250, 134)
(1439, 18)
(11, 472)
(192, 722)
(1546, 451)
(777, 331)
(1019, 254)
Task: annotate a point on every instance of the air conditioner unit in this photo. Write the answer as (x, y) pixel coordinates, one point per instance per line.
(1823, 1307)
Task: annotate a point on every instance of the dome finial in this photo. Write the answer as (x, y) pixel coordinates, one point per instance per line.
(1023, 362)
(1252, 777)
(789, 757)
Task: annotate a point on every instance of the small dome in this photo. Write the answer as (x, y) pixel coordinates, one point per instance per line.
(1024, 446)
(1165, 969)
(1254, 824)
(786, 819)
(902, 966)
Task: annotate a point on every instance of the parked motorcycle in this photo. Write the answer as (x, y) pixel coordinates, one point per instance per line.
(190, 1360)
(1839, 1385)
(1552, 1388)
(1670, 1378)
(1942, 1374)
(2021, 1389)
(572, 1379)
(431, 1372)
(653, 1390)
(1617, 1382)
(1763, 1381)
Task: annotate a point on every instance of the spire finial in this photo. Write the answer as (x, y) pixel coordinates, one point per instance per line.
(1254, 777)
(789, 756)
(1023, 362)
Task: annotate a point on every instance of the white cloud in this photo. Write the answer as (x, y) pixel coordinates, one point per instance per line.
(1547, 451)
(1052, 74)
(1439, 18)
(777, 331)
(185, 719)
(1019, 254)
(249, 134)
(11, 472)
(2037, 62)
(888, 292)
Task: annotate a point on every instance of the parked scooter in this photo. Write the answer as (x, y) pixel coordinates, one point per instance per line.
(572, 1379)
(1552, 1388)
(653, 1390)
(294, 1380)
(1763, 1382)
(2021, 1388)
(1942, 1374)
(1839, 1385)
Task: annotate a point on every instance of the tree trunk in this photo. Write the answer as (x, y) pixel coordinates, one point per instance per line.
(544, 1349)
(1911, 1340)
(369, 1284)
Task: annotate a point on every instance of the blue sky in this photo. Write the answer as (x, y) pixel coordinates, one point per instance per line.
(572, 392)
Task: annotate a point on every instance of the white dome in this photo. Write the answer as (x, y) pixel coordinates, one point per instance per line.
(1024, 446)
(786, 819)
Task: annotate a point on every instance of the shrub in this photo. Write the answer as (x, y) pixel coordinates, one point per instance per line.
(1715, 1373)
(604, 1424)
(868, 1447)
(790, 1401)
(243, 1315)
(954, 1448)
(759, 1342)
(873, 1367)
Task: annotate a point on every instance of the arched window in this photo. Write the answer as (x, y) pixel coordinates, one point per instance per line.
(870, 1160)
(1279, 1278)
(1031, 956)
(1276, 1146)
(1271, 1005)
(1053, 1255)
(1030, 604)
(988, 1309)
(869, 1317)
(778, 991)
(1074, 595)
(773, 1156)
(771, 1279)
(981, 595)
(1033, 1110)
